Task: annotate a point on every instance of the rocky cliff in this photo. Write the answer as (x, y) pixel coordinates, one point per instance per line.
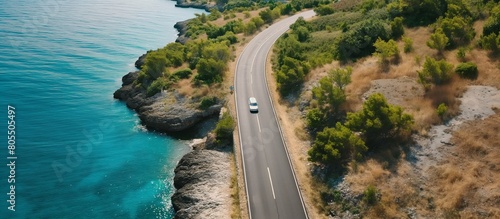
(165, 111)
(202, 179)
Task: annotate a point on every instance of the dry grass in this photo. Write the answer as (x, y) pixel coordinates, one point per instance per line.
(238, 15)
(235, 190)
(467, 183)
(464, 184)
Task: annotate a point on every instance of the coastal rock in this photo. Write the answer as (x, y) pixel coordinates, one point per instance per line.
(130, 78)
(202, 181)
(194, 4)
(141, 60)
(166, 117)
(158, 112)
(181, 27)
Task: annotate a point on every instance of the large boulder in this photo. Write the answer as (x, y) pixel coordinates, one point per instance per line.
(202, 181)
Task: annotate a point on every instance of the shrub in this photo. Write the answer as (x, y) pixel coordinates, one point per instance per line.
(461, 53)
(210, 71)
(291, 75)
(385, 50)
(438, 40)
(225, 127)
(397, 28)
(157, 85)
(155, 64)
(323, 10)
(436, 72)
(490, 42)
(359, 39)
(336, 145)
(459, 30)
(370, 195)
(315, 119)
(441, 110)
(207, 102)
(467, 70)
(408, 44)
(183, 73)
(379, 121)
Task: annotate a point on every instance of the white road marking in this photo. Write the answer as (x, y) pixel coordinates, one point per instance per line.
(271, 180)
(258, 122)
(251, 78)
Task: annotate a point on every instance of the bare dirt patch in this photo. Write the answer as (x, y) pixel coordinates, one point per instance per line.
(397, 91)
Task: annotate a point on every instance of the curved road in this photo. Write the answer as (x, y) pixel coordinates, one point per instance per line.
(271, 186)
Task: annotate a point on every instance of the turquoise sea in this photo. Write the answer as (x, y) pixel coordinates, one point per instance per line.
(80, 153)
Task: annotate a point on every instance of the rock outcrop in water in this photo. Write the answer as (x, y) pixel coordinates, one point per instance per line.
(202, 181)
(165, 111)
(194, 4)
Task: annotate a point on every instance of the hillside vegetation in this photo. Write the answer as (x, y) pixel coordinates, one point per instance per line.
(324, 67)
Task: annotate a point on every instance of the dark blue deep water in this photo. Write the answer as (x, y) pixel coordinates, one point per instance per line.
(80, 153)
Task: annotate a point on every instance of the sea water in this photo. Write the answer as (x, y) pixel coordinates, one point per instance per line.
(79, 153)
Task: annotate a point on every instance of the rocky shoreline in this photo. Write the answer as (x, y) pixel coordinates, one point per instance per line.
(202, 180)
(158, 113)
(202, 177)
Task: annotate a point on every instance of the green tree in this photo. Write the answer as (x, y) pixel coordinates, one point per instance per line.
(458, 30)
(341, 77)
(490, 42)
(291, 75)
(210, 70)
(155, 65)
(329, 96)
(289, 46)
(175, 53)
(385, 50)
(359, 39)
(397, 28)
(217, 51)
(417, 12)
(323, 10)
(303, 33)
(257, 21)
(436, 72)
(438, 41)
(250, 28)
(492, 24)
(315, 119)
(336, 145)
(266, 15)
(379, 121)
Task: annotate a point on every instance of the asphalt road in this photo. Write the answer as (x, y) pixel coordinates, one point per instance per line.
(271, 186)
